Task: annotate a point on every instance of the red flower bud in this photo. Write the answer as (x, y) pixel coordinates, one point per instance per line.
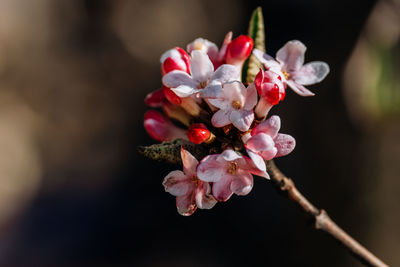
(269, 86)
(171, 96)
(155, 99)
(239, 50)
(175, 59)
(198, 133)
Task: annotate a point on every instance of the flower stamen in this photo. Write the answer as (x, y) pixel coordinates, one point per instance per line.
(232, 168)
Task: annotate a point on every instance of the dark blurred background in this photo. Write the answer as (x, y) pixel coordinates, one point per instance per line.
(75, 192)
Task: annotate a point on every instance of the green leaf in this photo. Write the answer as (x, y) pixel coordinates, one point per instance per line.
(171, 151)
(256, 31)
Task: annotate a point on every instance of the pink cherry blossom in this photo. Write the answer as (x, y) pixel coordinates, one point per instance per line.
(266, 143)
(190, 192)
(236, 103)
(201, 75)
(229, 172)
(161, 128)
(289, 64)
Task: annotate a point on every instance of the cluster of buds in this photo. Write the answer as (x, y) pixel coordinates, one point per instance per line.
(206, 103)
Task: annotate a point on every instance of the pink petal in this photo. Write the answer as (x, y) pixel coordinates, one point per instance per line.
(271, 126)
(176, 78)
(184, 90)
(252, 168)
(311, 73)
(204, 199)
(285, 144)
(160, 128)
(210, 169)
(201, 66)
(251, 97)
(226, 73)
(257, 160)
(291, 55)
(242, 119)
(268, 61)
(260, 142)
(189, 163)
(243, 183)
(230, 155)
(222, 189)
(220, 118)
(299, 89)
(186, 204)
(177, 183)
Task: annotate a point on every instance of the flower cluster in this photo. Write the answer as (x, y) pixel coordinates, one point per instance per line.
(205, 102)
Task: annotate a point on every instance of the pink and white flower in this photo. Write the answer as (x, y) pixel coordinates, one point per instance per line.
(201, 75)
(161, 128)
(229, 172)
(175, 59)
(289, 64)
(236, 103)
(266, 143)
(190, 192)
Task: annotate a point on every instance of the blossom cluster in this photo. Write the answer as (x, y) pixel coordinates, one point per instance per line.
(205, 102)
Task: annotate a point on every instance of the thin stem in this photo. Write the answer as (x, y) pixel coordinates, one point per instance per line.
(322, 220)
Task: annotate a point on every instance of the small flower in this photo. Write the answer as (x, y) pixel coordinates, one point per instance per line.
(266, 143)
(190, 192)
(289, 64)
(239, 50)
(211, 49)
(236, 103)
(229, 172)
(161, 128)
(198, 133)
(201, 75)
(174, 59)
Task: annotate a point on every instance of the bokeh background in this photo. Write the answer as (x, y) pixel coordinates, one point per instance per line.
(75, 192)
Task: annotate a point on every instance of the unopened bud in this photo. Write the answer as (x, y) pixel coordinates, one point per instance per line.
(161, 128)
(155, 99)
(239, 50)
(198, 133)
(171, 96)
(175, 59)
(269, 86)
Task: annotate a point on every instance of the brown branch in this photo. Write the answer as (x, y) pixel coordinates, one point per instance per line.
(322, 220)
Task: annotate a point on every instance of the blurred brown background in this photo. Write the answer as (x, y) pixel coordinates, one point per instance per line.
(75, 192)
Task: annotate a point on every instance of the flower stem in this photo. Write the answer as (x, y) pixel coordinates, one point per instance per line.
(322, 220)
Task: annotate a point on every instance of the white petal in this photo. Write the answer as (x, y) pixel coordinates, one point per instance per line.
(299, 89)
(184, 90)
(226, 73)
(205, 46)
(177, 183)
(210, 169)
(284, 144)
(291, 55)
(204, 199)
(221, 117)
(230, 155)
(311, 73)
(251, 97)
(270, 126)
(260, 142)
(268, 61)
(176, 78)
(257, 160)
(242, 119)
(201, 66)
(243, 183)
